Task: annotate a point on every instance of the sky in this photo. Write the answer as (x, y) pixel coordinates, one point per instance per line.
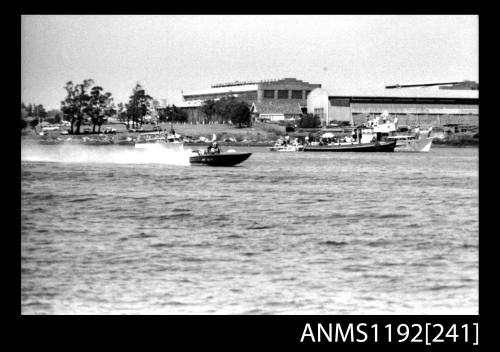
(169, 54)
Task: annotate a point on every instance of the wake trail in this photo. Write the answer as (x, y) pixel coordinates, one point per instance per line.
(103, 154)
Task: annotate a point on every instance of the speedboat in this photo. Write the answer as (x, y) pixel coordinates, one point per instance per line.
(202, 157)
(159, 139)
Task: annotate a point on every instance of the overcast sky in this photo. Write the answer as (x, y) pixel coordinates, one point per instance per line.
(168, 54)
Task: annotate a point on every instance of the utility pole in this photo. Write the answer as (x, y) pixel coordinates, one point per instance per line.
(38, 115)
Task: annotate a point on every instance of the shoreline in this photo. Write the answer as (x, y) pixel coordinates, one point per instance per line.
(249, 137)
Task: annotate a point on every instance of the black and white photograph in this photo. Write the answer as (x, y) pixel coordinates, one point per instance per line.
(224, 164)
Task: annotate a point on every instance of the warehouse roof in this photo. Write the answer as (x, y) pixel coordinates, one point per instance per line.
(408, 93)
(222, 90)
(190, 104)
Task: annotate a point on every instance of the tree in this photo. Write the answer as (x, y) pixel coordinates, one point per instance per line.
(310, 121)
(23, 124)
(162, 114)
(40, 111)
(122, 112)
(223, 108)
(100, 106)
(178, 115)
(138, 106)
(24, 111)
(208, 108)
(76, 104)
(234, 110)
(33, 123)
(240, 114)
(29, 110)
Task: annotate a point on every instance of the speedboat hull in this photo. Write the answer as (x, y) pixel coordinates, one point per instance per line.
(353, 147)
(224, 159)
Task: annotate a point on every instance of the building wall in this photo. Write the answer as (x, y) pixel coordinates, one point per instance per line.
(426, 120)
(340, 113)
(284, 90)
(287, 84)
(431, 112)
(292, 88)
(318, 104)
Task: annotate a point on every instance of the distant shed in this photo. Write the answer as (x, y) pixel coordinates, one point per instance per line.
(410, 106)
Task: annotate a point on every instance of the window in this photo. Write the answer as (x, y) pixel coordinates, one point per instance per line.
(296, 94)
(282, 94)
(269, 94)
(341, 102)
(319, 112)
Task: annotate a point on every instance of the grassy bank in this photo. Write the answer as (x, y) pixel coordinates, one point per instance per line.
(226, 134)
(458, 141)
(259, 134)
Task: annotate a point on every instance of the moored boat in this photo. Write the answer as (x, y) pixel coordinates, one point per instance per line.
(408, 144)
(377, 146)
(158, 139)
(415, 141)
(285, 146)
(372, 138)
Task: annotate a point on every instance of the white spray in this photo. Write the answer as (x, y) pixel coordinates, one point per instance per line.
(103, 154)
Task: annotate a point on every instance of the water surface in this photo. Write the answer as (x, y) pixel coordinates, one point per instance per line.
(104, 231)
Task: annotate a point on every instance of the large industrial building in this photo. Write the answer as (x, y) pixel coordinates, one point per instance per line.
(428, 104)
(274, 99)
(411, 104)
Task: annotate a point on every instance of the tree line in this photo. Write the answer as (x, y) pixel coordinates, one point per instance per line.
(31, 113)
(227, 109)
(85, 100)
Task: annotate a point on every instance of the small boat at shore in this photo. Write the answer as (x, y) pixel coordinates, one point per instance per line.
(415, 141)
(160, 139)
(202, 157)
(409, 144)
(284, 146)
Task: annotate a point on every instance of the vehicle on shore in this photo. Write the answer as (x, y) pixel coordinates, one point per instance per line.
(51, 128)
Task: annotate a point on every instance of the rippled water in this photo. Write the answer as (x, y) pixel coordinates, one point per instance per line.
(110, 232)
